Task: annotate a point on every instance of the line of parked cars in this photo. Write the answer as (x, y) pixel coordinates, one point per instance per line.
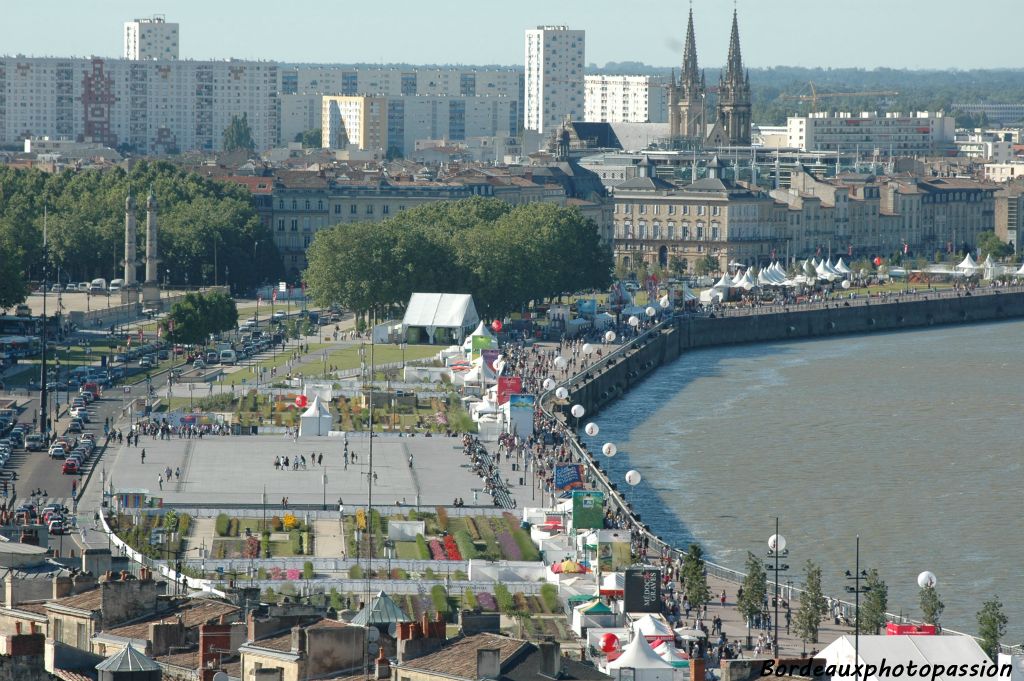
(54, 516)
(74, 453)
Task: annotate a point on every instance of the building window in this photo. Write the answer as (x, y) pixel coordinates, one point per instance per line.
(656, 207)
(657, 230)
(295, 225)
(352, 209)
(280, 204)
(701, 210)
(319, 205)
(686, 210)
(307, 204)
(643, 208)
(716, 210)
(714, 231)
(280, 225)
(643, 229)
(700, 230)
(385, 209)
(337, 208)
(369, 209)
(295, 204)
(671, 210)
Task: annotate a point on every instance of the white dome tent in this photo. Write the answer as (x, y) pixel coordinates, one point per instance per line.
(968, 265)
(480, 331)
(316, 420)
(642, 661)
(842, 268)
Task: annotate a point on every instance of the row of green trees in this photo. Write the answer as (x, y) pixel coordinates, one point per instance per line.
(813, 608)
(201, 222)
(504, 255)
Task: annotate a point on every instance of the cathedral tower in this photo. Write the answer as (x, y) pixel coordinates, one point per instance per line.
(686, 97)
(734, 93)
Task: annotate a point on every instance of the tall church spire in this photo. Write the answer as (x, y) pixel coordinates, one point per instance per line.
(690, 76)
(734, 65)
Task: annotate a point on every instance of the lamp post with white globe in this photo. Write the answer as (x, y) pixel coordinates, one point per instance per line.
(577, 411)
(777, 549)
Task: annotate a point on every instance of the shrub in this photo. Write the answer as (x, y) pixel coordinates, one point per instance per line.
(473, 530)
(290, 522)
(460, 576)
(265, 543)
(429, 574)
(399, 573)
(221, 524)
(549, 594)
(413, 515)
(295, 540)
(360, 519)
(421, 545)
(261, 573)
(506, 604)
(233, 527)
(440, 598)
(442, 517)
(526, 547)
(355, 572)
(276, 524)
(335, 599)
(270, 595)
(436, 550)
(509, 546)
(171, 521)
(376, 523)
(184, 523)
(465, 544)
(469, 599)
(307, 571)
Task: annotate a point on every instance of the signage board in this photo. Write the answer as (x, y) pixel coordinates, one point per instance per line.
(643, 590)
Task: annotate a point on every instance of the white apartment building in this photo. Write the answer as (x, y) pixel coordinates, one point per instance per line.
(149, 107)
(625, 99)
(554, 87)
(393, 82)
(151, 38)
(358, 121)
(892, 134)
(1004, 172)
(299, 113)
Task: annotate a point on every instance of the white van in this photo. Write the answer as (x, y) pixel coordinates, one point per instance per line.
(116, 285)
(98, 286)
(228, 357)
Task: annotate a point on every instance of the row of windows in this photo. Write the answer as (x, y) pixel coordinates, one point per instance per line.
(671, 209)
(626, 231)
(353, 210)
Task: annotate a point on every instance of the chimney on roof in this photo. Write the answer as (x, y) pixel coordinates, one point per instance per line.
(298, 640)
(382, 666)
(550, 659)
(488, 663)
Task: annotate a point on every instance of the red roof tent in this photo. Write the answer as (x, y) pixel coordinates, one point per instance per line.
(893, 629)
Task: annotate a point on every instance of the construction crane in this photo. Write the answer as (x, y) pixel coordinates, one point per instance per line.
(815, 95)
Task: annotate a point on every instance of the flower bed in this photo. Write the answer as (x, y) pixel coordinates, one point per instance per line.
(509, 547)
(436, 550)
(487, 601)
(451, 548)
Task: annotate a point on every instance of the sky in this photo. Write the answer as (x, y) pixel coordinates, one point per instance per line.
(912, 34)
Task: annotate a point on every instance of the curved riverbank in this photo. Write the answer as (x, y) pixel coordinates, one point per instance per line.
(659, 416)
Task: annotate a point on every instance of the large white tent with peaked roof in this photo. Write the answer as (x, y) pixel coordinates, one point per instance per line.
(442, 317)
(642, 661)
(316, 420)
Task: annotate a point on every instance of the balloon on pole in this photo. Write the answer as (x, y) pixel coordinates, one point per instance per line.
(561, 362)
(927, 579)
(591, 429)
(777, 543)
(633, 477)
(549, 383)
(634, 321)
(609, 336)
(587, 348)
(651, 311)
(578, 411)
(562, 393)
(609, 449)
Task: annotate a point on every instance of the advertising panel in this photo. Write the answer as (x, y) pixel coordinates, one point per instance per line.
(568, 476)
(520, 413)
(587, 510)
(643, 590)
(508, 385)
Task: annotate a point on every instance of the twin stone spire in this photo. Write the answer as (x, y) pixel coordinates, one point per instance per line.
(688, 115)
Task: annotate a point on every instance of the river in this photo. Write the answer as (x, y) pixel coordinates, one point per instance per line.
(912, 440)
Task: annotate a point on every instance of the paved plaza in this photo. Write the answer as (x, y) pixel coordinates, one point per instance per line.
(235, 470)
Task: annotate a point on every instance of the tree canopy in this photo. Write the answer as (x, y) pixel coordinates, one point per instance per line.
(755, 586)
(812, 605)
(194, 318)
(874, 604)
(13, 289)
(991, 626)
(503, 255)
(85, 224)
(695, 581)
(931, 605)
(310, 138)
(238, 135)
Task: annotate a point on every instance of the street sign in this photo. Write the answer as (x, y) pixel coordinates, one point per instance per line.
(127, 389)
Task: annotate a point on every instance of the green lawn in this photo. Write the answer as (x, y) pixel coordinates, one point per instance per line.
(348, 357)
(407, 550)
(271, 362)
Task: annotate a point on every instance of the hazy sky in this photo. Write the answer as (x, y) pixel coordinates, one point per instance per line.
(862, 33)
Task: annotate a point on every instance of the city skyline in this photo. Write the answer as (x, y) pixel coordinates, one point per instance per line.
(830, 36)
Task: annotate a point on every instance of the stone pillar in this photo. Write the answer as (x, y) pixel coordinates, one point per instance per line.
(151, 287)
(129, 291)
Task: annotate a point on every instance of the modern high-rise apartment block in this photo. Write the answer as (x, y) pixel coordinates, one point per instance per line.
(358, 120)
(891, 134)
(149, 107)
(393, 82)
(554, 77)
(151, 38)
(625, 99)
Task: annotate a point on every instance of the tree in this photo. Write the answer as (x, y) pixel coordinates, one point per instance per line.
(694, 578)
(310, 138)
(13, 288)
(704, 266)
(812, 605)
(991, 626)
(755, 586)
(990, 244)
(238, 135)
(195, 317)
(874, 604)
(931, 605)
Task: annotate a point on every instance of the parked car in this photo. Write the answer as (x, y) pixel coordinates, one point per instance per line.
(57, 452)
(76, 426)
(34, 442)
(70, 467)
(57, 526)
(199, 364)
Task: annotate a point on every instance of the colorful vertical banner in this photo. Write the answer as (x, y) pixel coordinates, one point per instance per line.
(520, 412)
(587, 510)
(508, 385)
(568, 476)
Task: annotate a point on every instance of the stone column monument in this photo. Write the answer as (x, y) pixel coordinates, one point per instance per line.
(130, 290)
(151, 287)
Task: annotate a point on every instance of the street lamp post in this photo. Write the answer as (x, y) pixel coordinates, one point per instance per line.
(325, 489)
(776, 549)
(857, 590)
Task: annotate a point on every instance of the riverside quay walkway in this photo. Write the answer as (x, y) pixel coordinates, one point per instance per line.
(611, 376)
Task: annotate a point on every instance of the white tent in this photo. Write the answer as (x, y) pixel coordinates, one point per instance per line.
(649, 625)
(842, 268)
(316, 420)
(645, 663)
(1021, 270)
(724, 282)
(968, 264)
(453, 313)
(667, 651)
(931, 651)
(592, 614)
(480, 331)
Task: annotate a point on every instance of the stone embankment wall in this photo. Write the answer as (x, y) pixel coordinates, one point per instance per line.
(597, 388)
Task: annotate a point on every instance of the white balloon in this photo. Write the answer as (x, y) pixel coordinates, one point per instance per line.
(777, 539)
(591, 429)
(651, 311)
(633, 477)
(587, 348)
(846, 283)
(562, 393)
(609, 449)
(663, 301)
(561, 362)
(609, 336)
(549, 383)
(577, 410)
(634, 321)
(927, 578)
